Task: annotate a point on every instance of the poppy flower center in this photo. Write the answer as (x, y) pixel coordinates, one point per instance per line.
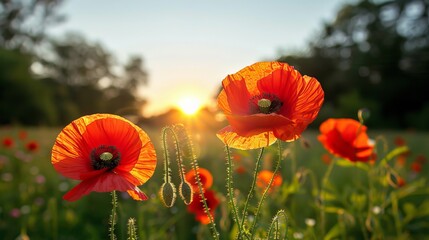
(265, 103)
(105, 157)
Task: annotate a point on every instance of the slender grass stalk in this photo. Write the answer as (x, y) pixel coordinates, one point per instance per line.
(250, 194)
(264, 195)
(230, 189)
(113, 216)
(325, 181)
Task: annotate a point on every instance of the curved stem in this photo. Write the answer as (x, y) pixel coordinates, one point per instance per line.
(264, 195)
(252, 187)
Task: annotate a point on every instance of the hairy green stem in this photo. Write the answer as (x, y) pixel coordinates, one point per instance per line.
(252, 187)
(230, 190)
(113, 216)
(264, 195)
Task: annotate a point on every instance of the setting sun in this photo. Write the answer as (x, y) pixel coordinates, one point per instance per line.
(189, 105)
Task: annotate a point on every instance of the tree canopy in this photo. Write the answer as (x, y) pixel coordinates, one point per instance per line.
(374, 55)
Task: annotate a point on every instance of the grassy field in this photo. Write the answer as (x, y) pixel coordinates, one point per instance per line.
(357, 203)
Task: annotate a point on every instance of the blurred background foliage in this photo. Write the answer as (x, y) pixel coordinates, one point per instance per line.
(375, 54)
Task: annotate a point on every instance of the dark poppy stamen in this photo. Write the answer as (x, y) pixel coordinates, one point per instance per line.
(265, 103)
(105, 157)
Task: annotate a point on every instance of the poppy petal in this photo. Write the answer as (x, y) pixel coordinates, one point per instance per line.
(230, 138)
(137, 194)
(249, 125)
(146, 163)
(104, 183)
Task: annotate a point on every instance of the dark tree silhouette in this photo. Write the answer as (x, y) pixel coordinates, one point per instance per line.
(375, 55)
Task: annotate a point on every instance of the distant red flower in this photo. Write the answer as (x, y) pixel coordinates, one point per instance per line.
(346, 138)
(206, 179)
(399, 141)
(264, 178)
(22, 135)
(326, 158)
(416, 167)
(401, 159)
(196, 206)
(400, 182)
(32, 146)
(106, 152)
(240, 170)
(8, 142)
(265, 102)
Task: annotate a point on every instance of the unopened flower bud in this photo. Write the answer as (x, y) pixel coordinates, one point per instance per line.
(186, 192)
(167, 194)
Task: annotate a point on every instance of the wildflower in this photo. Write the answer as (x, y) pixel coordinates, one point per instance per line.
(240, 170)
(32, 146)
(22, 135)
(206, 179)
(15, 213)
(264, 178)
(400, 182)
(399, 141)
(376, 210)
(310, 222)
(416, 167)
(7, 142)
(197, 206)
(346, 138)
(106, 152)
(265, 102)
(326, 158)
(401, 160)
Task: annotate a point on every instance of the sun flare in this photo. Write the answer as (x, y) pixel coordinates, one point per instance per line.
(189, 105)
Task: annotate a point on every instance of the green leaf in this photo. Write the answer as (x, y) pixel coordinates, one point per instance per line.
(334, 232)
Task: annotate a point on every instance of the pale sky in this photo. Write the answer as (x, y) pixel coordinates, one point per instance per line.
(190, 46)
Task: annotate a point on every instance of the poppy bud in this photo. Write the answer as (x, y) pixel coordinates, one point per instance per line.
(167, 194)
(186, 192)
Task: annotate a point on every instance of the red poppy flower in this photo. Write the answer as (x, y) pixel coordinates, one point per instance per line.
(7, 142)
(32, 146)
(22, 135)
(206, 179)
(346, 138)
(400, 182)
(197, 208)
(264, 178)
(399, 141)
(416, 167)
(240, 170)
(265, 102)
(326, 158)
(106, 152)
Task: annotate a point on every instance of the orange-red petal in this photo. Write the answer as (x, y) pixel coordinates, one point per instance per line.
(346, 138)
(232, 139)
(206, 178)
(106, 182)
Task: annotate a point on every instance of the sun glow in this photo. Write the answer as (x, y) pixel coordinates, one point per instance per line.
(189, 105)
